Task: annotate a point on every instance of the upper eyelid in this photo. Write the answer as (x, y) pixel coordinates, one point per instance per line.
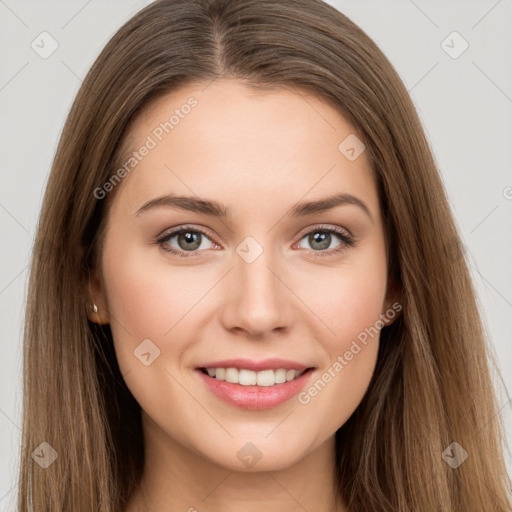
(179, 229)
(324, 227)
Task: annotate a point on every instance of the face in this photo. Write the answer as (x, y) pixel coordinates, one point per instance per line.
(213, 259)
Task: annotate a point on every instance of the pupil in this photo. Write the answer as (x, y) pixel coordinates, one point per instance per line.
(191, 240)
(322, 238)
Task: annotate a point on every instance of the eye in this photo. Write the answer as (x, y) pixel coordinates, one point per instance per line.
(322, 238)
(190, 240)
(187, 240)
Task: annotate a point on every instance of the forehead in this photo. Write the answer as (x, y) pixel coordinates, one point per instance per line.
(226, 140)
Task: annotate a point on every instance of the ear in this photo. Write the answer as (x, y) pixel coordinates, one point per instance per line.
(393, 303)
(97, 297)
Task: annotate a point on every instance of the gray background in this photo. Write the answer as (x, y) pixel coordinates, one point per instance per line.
(465, 104)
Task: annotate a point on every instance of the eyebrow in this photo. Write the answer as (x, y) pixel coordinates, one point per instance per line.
(216, 209)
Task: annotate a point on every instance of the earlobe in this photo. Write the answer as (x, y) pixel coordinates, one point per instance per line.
(96, 316)
(97, 311)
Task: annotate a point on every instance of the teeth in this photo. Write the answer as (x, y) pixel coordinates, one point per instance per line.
(280, 376)
(290, 375)
(246, 377)
(250, 378)
(232, 375)
(265, 378)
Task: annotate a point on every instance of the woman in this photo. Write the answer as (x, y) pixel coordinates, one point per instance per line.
(185, 349)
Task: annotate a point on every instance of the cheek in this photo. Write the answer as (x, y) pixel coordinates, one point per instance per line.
(351, 309)
(147, 300)
(356, 305)
(349, 298)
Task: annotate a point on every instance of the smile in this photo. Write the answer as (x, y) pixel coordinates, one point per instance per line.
(246, 377)
(249, 389)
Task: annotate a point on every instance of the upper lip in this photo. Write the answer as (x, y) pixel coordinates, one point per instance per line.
(256, 366)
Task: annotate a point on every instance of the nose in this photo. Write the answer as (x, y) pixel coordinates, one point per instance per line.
(257, 300)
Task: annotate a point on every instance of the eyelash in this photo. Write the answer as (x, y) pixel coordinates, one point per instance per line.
(347, 240)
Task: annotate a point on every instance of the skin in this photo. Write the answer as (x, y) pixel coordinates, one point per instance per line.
(258, 154)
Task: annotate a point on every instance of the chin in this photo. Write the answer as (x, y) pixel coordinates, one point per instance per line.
(250, 454)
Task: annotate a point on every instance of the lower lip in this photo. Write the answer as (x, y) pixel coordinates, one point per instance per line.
(255, 397)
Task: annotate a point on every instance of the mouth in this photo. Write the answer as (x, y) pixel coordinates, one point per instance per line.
(245, 377)
(250, 389)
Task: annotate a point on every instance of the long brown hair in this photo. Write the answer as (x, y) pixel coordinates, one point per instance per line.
(432, 383)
